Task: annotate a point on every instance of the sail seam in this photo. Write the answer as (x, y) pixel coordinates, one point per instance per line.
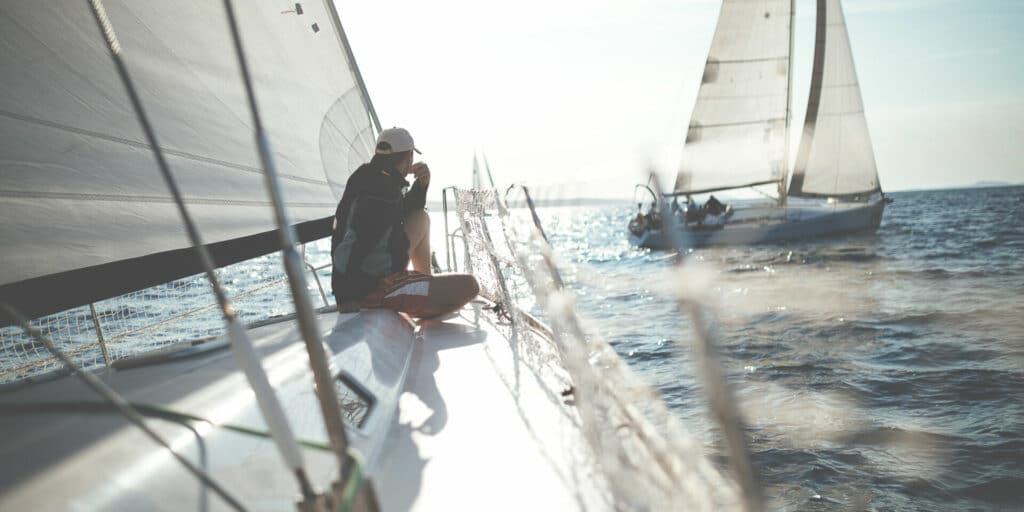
(838, 86)
(740, 123)
(359, 134)
(746, 61)
(840, 114)
(844, 195)
(137, 144)
(741, 96)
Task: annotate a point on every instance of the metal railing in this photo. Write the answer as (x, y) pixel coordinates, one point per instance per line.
(313, 270)
(450, 236)
(181, 312)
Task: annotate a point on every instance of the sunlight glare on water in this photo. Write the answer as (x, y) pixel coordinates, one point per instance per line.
(881, 371)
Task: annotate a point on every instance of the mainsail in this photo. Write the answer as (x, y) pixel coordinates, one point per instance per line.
(85, 213)
(738, 130)
(835, 157)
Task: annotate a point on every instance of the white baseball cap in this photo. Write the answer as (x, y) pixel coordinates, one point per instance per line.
(395, 140)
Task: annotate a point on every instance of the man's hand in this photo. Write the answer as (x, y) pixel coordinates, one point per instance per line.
(421, 172)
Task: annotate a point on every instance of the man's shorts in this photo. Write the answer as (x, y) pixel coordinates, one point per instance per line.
(404, 291)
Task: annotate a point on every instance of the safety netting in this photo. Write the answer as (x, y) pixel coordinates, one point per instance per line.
(181, 312)
(647, 460)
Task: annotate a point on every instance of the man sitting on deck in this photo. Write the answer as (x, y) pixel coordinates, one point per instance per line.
(714, 206)
(378, 231)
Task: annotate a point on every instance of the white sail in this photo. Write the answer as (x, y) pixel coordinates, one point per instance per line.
(835, 158)
(737, 133)
(79, 188)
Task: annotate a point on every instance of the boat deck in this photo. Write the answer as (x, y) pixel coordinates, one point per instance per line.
(483, 425)
(451, 413)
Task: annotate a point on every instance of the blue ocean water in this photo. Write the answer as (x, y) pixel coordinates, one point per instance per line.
(879, 372)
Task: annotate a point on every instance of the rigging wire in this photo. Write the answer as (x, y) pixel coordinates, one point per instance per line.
(241, 346)
(490, 177)
(716, 386)
(122, 405)
(767, 195)
(533, 214)
(570, 326)
(308, 326)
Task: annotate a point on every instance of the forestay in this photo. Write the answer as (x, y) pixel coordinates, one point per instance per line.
(835, 157)
(737, 132)
(85, 214)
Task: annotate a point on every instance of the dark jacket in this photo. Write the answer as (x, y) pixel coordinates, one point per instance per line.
(369, 239)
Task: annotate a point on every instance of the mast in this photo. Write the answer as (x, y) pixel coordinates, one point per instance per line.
(789, 105)
(477, 185)
(490, 177)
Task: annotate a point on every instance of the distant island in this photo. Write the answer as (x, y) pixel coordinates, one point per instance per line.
(977, 184)
(547, 203)
(571, 201)
(985, 184)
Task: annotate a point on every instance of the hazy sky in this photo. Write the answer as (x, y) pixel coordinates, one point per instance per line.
(578, 97)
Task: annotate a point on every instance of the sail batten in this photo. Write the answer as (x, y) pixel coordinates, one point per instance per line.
(749, 61)
(737, 130)
(835, 157)
(80, 190)
(742, 123)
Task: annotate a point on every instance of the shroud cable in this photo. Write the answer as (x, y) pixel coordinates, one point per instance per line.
(308, 326)
(241, 346)
(716, 386)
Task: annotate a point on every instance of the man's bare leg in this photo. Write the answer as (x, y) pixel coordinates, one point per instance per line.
(417, 229)
(449, 292)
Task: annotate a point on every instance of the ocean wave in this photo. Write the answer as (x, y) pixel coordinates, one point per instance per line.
(879, 435)
(908, 319)
(941, 389)
(946, 273)
(1002, 491)
(891, 358)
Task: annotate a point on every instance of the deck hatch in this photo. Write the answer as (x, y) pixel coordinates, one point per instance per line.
(355, 400)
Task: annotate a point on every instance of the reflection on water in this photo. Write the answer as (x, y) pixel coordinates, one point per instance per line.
(883, 371)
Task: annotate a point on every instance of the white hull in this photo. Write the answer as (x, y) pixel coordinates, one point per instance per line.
(760, 225)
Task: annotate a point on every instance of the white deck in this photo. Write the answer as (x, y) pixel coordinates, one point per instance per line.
(480, 429)
(460, 421)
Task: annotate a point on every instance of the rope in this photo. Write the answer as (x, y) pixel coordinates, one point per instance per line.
(353, 484)
(716, 386)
